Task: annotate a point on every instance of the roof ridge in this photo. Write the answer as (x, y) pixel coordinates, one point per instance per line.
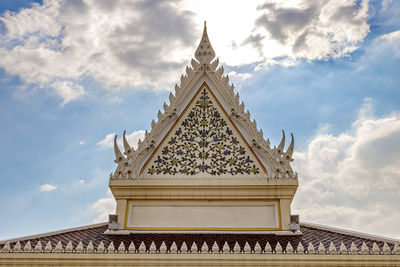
(53, 232)
(349, 232)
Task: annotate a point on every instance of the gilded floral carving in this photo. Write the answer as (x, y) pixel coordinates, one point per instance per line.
(203, 143)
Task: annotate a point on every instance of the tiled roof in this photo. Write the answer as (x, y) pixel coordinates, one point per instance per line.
(310, 233)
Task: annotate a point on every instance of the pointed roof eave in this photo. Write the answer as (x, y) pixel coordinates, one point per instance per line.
(205, 53)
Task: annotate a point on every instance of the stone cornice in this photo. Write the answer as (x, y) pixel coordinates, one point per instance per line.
(210, 188)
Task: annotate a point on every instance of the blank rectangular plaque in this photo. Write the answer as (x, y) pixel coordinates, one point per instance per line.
(181, 215)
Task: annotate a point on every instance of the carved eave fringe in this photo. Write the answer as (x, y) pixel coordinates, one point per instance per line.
(203, 248)
(279, 161)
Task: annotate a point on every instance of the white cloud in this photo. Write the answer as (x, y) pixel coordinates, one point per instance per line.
(102, 208)
(312, 30)
(68, 91)
(237, 78)
(38, 19)
(82, 142)
(144, 44)
(107, 141)
(47, 188)
(392, 42)
(240, 76)
(132, 139)
(120, 44)
(281, 32)
(392, 36)
(352, 180)
(227, 35)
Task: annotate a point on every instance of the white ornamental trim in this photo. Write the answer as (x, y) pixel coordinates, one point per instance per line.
(205, 248)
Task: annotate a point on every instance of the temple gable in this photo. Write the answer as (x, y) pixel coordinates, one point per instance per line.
(204, 132)
(204, 142)
(251, 157)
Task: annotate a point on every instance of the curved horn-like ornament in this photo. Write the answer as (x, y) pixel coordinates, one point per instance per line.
(281, 144)
(127, 147)
(289, 151)
(118, 155)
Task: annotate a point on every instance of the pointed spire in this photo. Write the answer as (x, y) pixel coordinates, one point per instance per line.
(364, 249)
(90, 247)
(289, 151)
(132, 248)
(332, 249)
(300, 248)
(28, 247)
(142, 248)
(289, 248)
(268, 249)
(281, 144)
(396, 249)
(353, 248)
(163, 248)
(57, 249)
(310, 248)
(204, 248)
(111, 248)
(257, 248)
(118, 155)
(375, 249)
(247, 248)
(48, 248)
(215, 248)
(79, 248)
(225, 248)
(17, 247)
(6, 247)
(343, 249)
(127, 147)
(204, 53)
(153, 248)
(278, 248)
(194, 249)
(386, 249)
(121, 248)
(69, 248)
(38, 247)
(100, 247)
(184, 248)
(321, 248)
(173, 248)
(236, 248)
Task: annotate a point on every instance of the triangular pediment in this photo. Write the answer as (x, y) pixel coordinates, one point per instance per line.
(241, 151)
(204, 164)
(203, 142)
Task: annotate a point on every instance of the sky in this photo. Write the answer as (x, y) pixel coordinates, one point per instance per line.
(75, 73)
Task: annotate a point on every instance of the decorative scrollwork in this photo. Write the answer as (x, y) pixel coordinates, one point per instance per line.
(203, 143)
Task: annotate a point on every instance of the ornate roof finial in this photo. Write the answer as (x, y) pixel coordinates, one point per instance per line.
(204, 53)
